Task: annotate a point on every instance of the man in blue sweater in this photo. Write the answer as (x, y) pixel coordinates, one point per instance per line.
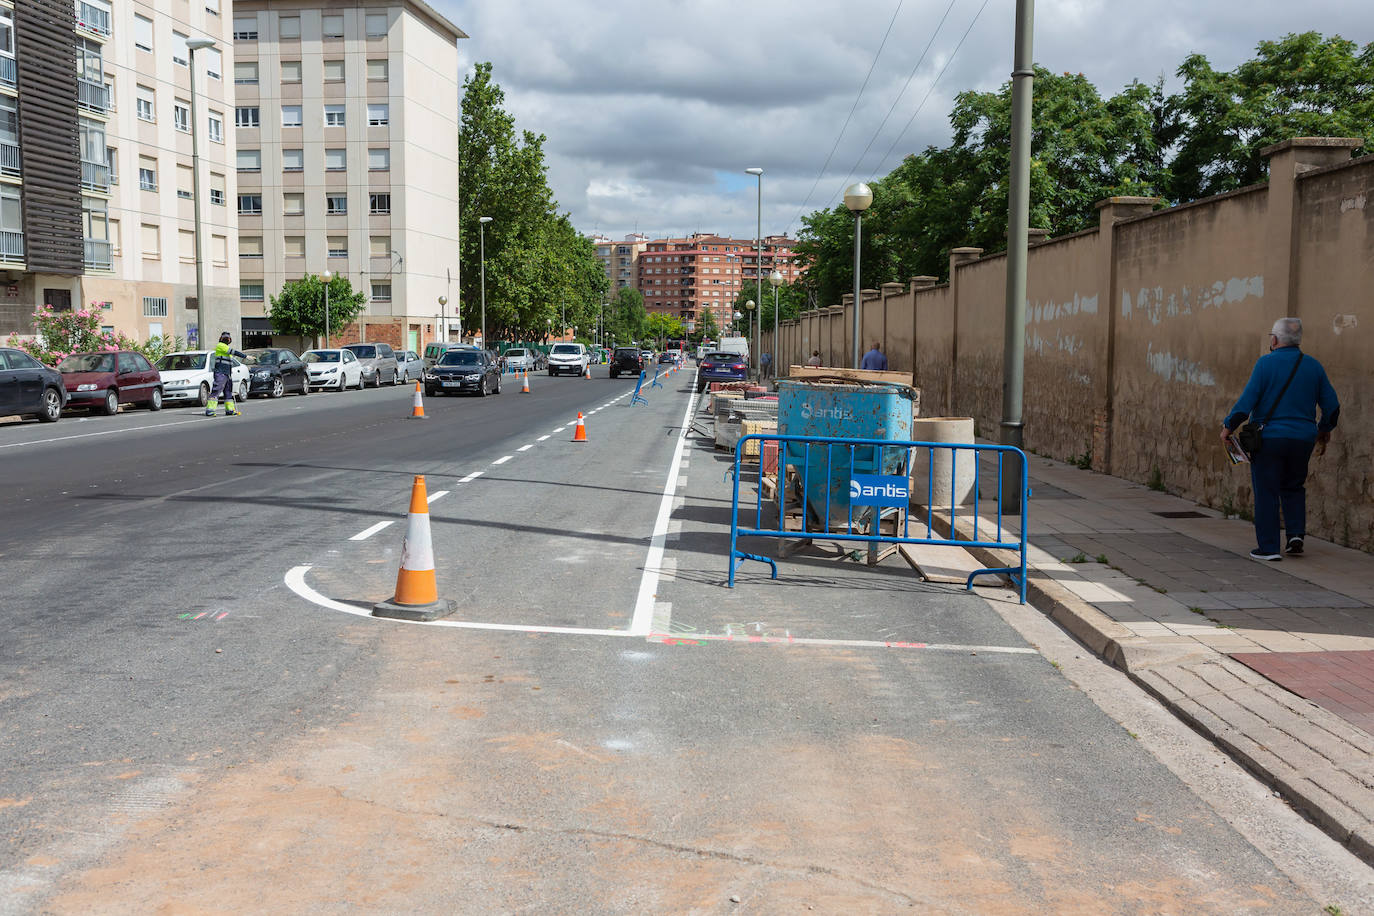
(1278, 471)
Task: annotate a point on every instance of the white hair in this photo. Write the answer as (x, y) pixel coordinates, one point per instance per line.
(1288, 331)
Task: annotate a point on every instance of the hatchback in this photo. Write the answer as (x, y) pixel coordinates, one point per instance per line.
(273, 371)
(333, 369)
(721, 367)
(104, 380)
(29, 388)
(626, 359)
(189, 375)
(378, 362)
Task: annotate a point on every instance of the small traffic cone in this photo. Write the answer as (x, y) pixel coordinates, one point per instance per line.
(580, 433)
(417, 591)
(417, 410)
(589, 371)
(525, 388)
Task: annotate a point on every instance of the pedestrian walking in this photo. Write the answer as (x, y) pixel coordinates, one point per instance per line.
(224, 377)
(1285, 389)
(814, 359)
(765, 363)
(874, 359)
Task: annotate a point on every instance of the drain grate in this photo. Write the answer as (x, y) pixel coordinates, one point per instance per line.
(1188, 514)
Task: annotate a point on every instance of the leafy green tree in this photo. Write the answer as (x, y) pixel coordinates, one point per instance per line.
(706, 327)
(626, 316)
(299, 310)
(662, 327)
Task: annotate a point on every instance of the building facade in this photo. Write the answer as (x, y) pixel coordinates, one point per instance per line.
(704, 273)
(346, 120)
(620, 260)
(96, 190)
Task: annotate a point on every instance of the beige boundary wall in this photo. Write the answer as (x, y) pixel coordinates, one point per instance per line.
(1140, 334)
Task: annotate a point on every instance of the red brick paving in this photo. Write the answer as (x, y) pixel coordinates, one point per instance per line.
(1340, 682)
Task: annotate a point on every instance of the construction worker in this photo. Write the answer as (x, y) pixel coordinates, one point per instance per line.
(224, 376)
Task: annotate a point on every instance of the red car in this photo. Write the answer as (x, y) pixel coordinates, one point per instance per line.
(105, 380)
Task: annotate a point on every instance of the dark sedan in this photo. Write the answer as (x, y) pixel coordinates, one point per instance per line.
(721, 367)
(29, 388)
(464, 370)
(273, 371)
(626, 359)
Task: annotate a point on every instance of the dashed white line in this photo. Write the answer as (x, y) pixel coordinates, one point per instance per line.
(436, 495)
(368, 532)
(560, 429)
(525, 448)
(541, 438)
(503, 460)
(471, 477)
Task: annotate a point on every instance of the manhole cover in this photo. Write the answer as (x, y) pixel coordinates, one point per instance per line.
(1188, 514)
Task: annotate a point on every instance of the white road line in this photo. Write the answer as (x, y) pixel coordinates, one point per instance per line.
(559, 430)
(525, 448)
(471, 477)
(541, 438)
(435, 495)
(503, 460)
(659, 636)
(642, 621)
(104, 432)
(368, 532)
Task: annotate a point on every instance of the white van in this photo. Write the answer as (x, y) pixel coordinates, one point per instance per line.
(571, 358)
(738, 345)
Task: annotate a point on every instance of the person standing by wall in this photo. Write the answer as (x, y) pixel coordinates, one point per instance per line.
(1285, 389)
(765, 363)
(815, 359)
(874, 359)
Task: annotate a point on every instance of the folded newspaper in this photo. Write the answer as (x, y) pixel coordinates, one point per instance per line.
(1235, 452)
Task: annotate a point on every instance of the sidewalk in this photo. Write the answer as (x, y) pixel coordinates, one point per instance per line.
(1272, 661)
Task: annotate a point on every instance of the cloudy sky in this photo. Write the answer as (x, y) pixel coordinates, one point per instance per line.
(653, 109)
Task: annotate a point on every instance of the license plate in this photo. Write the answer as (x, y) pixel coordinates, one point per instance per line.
(453, 384)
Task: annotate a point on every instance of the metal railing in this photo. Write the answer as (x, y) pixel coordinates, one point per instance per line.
(9, 72)
(11, 162)
(99, 254)
(95, 176)
(11, 245)
(93, 19)
(861, 465)
(92, 96)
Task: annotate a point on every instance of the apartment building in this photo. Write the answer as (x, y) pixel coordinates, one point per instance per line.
(346, 121)
(620, 260)
(96, 193)
(703, 272)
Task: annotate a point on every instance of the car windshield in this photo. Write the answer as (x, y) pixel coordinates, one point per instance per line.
(88, 362)
(363, 351)
(460, 358)
(262, 357)
(723, 357)
(566, 348)
(518, 354)
(321, 356)
(625, 351)
(180, 362)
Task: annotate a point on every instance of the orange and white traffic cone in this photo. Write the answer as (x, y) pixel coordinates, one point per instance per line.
(417, 409)
(580, 433)
(525, 388)
(589, 372)
(417, 590)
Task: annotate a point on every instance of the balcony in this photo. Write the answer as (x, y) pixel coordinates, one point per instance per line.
(9, 72)
(93, 19)
(10, 161)
(95, 176)
(92, 96)
(11, 246)
(99, 255)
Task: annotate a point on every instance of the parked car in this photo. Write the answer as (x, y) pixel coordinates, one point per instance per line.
(29, 388)
(333, 369)
(378, 362)
(518, 359)
(721, 367)
(409, 366)
(647, 356)
(626, 359)
(104, 380)
(189, 376)
(435, 350)
(464, 370)
(273, 372)
(666, 357)
(571, 358)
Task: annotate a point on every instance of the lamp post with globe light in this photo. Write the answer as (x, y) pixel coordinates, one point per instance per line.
(858, 198)
(326, 277)
(192, 46)
(776, 279)
(443, 319)
(749, 306)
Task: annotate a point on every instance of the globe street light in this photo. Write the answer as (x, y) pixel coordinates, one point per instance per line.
(858, 198)
(193, 45)
(326, 277)
(738, 316)
(749, 307)
(758, 238)
(482, 238)
(775, 278)
(443, 319)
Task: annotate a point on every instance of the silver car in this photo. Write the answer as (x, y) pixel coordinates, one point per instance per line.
(409, 365)
(378, 362)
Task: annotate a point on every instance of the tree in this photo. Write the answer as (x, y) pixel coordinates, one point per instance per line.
(662, 327)
(706, 327)
(626, 316)
(299, 310)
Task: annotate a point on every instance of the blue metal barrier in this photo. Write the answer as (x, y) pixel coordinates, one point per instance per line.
(840, 459)
(638, 398)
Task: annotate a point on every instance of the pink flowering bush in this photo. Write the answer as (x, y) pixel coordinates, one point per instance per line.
(57, 335)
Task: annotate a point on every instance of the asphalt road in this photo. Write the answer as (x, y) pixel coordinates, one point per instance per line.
(195, 707)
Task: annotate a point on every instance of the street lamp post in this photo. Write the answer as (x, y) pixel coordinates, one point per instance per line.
(775, 278)
(443, 319)
(858, 198)
(192, 46)
(482, 233)
(758, 242)
(326, 277)
(738, 316)
(749, 306)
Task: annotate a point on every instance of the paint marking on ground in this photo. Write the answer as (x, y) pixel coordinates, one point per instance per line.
(435, 495)
(525, 448)
(471, 477)
(104, 432)
(542, 439)
(368, 532)
(642, 622)
(559, 429)
(699, 638)
(503, 460)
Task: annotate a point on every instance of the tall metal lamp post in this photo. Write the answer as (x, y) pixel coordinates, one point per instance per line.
(775, 278)
(192, 46)
(858, 198)
(749, 306)
(326, 277)
(758, 242)
(443, 319)
(482, 233)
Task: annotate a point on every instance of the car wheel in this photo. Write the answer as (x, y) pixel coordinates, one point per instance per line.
(482, 387)
(551, 372)
(498, 386)
(615, 374)
(111, 405)
(278, 387)
(395, 378)
(242, 393)
(305, 387)
(204, 397)
(431, 392)
(51, 406)
(701, 386)
(155, 402)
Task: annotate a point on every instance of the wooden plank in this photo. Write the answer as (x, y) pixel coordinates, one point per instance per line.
(836, 373)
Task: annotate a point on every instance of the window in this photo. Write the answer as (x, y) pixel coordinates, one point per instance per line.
(154, 306)
(212, 7)
(291, 116)
(112, 163)
(214, 63)
(377, 69)
(251, 291)
(379, 246)
(245, 28)
(250, 246)
(338, 246)
(289, 27)
(331, 26)
(245, 73)
(216, 127)
(336, 203)
(293, 160)
(290, 71)
(334, 116)
(333, 71)
(250, 204)
(293, 204)
(181, 116)
(378, 114)
(186, 246)
(148, 236)
(247, 116)
(186, 181)
(219, 250)
(249, 160)
(217, 189)
(335, 160)
(147, 104)
(143, 33)
(294, 246)
(381, 291)
(379, 203)
(179, 51)
(147, 173)
(376, 25)
(379, 160)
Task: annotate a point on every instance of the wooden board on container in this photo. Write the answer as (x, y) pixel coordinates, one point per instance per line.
(939, 562)
(802, 373)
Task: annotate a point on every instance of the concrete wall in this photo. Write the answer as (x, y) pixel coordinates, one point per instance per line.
(1141, 334)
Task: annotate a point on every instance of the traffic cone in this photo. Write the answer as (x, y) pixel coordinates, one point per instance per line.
(580, 434)
(589, 371)
(417, 410)
(417, 591)
(525, 389)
